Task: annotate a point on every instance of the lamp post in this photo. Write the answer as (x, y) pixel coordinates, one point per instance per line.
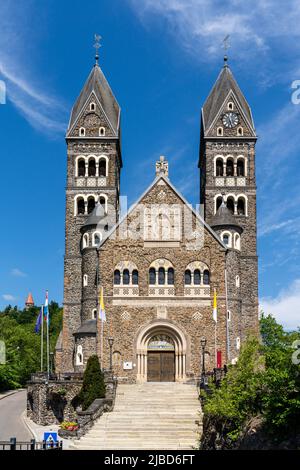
(51, 362)
(203, 344)
(110, 342)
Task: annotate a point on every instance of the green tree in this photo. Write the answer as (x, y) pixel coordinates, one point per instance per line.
(93, 385)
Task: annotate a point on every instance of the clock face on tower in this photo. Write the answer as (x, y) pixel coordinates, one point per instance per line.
(230, 120)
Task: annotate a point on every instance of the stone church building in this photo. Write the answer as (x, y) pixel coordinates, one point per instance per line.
(159, 264)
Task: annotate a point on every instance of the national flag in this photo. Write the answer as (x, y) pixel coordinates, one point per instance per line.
(215, 311)
(102, 315)
(46, 309)
(39, 321)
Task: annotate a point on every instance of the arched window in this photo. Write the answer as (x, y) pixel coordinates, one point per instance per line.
(188, 277)
(102, 131)
(91, 204)
(79, 356)
(103, 203)
(94, 314)
(226, 239)
(230, 204)
(81, 167)
(240, 131)
(230, 105)
(206, 277)
(82, 132)
(85, 240)
(219, 167)
(126, 277)
(85, 280)
(220, 131)
(197, 276)
(229, 167)
(161, 276)
(219, 202)
(171, 276)
(80, 206)
(240, 167)
(152, 276)
(96, 239)
(135, 277)
(117, 277)
(237, 281)
(102, 167)
(92, 106)
(241, 206)
(92, 167)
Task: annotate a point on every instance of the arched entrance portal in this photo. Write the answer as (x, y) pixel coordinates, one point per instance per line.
(161, 359)
(161, 353)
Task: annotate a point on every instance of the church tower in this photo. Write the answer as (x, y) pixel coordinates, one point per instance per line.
(94, 164)
(228, 192)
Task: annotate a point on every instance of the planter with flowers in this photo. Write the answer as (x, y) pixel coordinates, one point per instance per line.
(68, 429)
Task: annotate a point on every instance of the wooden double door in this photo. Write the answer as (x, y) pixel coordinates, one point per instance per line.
(161, 366)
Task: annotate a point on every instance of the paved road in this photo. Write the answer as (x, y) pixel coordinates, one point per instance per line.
(11, 424)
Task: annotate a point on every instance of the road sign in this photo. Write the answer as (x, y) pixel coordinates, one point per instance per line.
(50, 438)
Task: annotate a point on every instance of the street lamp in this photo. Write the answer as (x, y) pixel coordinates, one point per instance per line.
(110, 342)
(203, 344)
(51, 362)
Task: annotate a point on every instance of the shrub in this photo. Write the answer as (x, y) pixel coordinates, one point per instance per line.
(93, 383)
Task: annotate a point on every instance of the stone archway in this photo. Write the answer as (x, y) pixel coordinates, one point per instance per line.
(143, 345)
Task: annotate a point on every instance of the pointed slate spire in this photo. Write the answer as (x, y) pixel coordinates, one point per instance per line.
(97, 84)
(224, 84)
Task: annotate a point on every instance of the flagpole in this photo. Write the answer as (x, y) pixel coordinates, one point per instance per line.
(42, 340)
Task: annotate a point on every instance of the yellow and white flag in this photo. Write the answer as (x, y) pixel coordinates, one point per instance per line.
(102, 315)
(215, 310)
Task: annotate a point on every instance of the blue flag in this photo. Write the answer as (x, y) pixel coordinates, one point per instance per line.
(38, 321)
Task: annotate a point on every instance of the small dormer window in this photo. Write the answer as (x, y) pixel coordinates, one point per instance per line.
(82, 132)
(230, 106)
(92, 107)
(102, 131)
(220, 131)
(240, 131)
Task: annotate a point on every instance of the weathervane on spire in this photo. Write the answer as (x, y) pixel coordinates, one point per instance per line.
(97, 46)
(226, 46)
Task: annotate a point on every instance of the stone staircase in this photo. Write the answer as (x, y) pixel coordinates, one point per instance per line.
(161, 416)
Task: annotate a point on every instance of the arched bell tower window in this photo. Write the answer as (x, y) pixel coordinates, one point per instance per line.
(102, 167)
(126, 277)
(240, 167)
(170, 276)
(92, 167)
(219, 202)
(229, 167)
(219, 167)
(79, 356)
(81, 167)
(230, 204)
(117, 277)
(197, 277)
(91, 204)
(220, 131)
(102, 131)
(82, 132)
(161, 276)
(92, 106)
(135, 277)
(241, 206)
(80, 206)
(188, 277)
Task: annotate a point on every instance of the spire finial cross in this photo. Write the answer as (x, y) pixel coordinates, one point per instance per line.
(226, 46)
(97, 46)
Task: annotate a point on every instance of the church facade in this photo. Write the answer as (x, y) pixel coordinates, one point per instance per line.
(159, 266)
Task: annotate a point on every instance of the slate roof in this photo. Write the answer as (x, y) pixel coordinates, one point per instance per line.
(95, 216)
(88, 327)
(223, 85)
(97, 83)
(223, 216)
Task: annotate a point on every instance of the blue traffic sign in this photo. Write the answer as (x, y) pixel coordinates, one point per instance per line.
(50, 437)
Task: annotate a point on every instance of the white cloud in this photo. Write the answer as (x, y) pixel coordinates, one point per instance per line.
(17, 273)
(9, 297)
(285, 307)
(17, 69)
(257, 31)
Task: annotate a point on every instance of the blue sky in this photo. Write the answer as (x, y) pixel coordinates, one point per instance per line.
(161, 58)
